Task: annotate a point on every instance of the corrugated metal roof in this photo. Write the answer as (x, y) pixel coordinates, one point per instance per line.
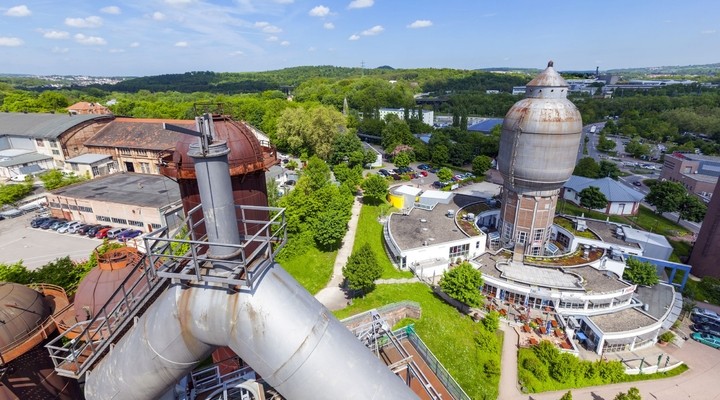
(42, 126)
(146, 134)
(88, 158)
(613, 190)
(23, 159)
(486, 125)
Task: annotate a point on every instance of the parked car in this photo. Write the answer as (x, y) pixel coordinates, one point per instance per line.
(384, 172)
(458, 178)
(396, 177)
(113, 233)
(36, 222)
(637, 183)
(75, 228)
(84, 230)
(423, 173)
(434, 170)
(423, 167)
(704, 312)
(102, 233)
(93, 231)
(47, 224)
(128, 234)
(68, 226)
(710, 328)
(18, 178)
(438, 184)
(706, 338)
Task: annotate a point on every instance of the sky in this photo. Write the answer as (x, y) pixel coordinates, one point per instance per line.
(152, 37)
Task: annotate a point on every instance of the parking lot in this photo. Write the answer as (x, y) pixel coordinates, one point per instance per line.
(37, 247)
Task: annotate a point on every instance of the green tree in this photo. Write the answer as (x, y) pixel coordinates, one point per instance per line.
(480, 165)
(348, 148)
(396, 132)
(9, 194)
(440, 155)
(567, 396)
(317, 172)
(605, 144)
(345, 174)
(666, 196)
(444, 174)
(403, 159)
(691, 208)
(637, 149)
(609, 169)
(463, 284)
(362, 269)
(491, 322)
(592, 198)
(587, 167)
(375, 189)
(54, 179)
(640, 273)
(632, 394)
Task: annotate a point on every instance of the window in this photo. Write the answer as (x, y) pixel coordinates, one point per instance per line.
(136, 223)
(507, 231)
(155, 226)
(39, 143)
(538, 234)
(53, 143)
(103, 218)
(56, 152)
(119, 220)
(53, 204)
(522, 237)
(459, 251)
(85, 209)
(73, 207)
(145, 167)
(64, 206)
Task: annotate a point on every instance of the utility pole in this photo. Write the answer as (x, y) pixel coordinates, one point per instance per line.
(362, 68)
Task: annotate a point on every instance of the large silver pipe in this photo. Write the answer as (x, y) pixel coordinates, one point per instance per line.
(282, 332)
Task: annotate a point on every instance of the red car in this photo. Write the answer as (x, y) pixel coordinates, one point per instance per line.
(102, 233)
(423, 173)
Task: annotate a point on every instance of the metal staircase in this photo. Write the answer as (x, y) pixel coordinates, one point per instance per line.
(170, 256)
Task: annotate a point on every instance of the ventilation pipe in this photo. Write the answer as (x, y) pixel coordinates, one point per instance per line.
(291, 340)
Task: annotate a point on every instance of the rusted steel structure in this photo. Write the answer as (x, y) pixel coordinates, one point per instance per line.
(28, 316)
(227, 290)
(538, 150)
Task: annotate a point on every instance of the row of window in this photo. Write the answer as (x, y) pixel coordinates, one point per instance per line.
(41, 143)
(138, 152)
(72, 207)
(459, 251)
(124, 221)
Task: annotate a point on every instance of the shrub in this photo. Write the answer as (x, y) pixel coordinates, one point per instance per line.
(486, 342)
(538, 369)
(491, 322)
(491, 368)
(463, 283)
(666, 337)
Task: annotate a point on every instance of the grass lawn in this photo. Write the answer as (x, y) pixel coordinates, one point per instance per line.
(464, 347)
(646, 219)
(681, 250)
(310, 266)
(369, 230)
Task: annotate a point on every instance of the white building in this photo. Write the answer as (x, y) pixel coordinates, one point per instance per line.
(622, 200)
(428, 116)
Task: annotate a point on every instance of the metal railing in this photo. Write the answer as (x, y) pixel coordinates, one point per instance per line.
(73, 357)
(184, 256)
(179, 255)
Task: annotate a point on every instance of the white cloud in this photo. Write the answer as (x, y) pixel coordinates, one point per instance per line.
(181, 44)
(158, 16)
(60, 50)
(272, 39)
(267, 28)
(421, 23)
(319, 11)
(373, 31)
(18, 11)
(361, 3)
(237, 53)
(117, 50)
(135, 44)
(10, 41)
(284, 43)
(90, 40)
(708, 31)
(329, 25)
(354, 37)
(111, 10)
(56, 35)
(311, 49)
(89, 22)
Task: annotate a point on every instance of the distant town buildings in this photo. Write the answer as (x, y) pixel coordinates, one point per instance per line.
(84, 107)
(428, 116)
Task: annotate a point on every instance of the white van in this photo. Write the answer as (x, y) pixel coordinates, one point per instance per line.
(114, 232)
(18, 178)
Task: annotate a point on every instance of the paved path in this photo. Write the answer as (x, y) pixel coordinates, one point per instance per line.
(509, 373)
(332, 296)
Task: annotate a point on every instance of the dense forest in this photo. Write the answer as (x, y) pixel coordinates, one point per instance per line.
(663, 114)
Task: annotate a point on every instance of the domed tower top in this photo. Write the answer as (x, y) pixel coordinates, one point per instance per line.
(547, 85)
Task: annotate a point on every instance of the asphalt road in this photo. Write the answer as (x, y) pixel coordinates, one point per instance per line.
(37, 247)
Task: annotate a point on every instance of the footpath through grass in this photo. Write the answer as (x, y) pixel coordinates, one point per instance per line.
(370, 231)
(467, 350)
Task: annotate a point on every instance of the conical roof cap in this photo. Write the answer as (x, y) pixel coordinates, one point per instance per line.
(548, 78)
